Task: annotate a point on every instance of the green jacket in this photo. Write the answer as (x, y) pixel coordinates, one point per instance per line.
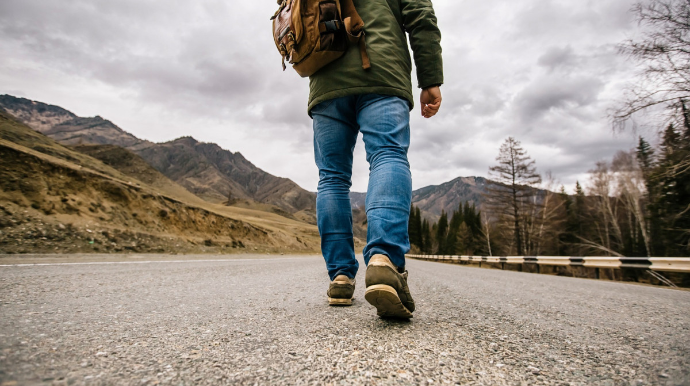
(385, 24)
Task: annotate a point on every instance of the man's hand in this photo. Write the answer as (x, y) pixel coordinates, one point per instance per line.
(430, 101)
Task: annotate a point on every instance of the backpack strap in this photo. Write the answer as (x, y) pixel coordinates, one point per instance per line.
(354, 26)
(363, 52)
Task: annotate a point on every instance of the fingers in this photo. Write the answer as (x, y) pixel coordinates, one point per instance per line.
(429, 110)
(430, 100)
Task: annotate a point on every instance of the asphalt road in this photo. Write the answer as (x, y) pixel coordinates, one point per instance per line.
(251, 320)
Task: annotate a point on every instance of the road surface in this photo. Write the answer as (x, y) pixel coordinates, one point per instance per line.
(265, 320)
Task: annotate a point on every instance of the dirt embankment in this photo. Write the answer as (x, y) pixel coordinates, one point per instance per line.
(49, 207)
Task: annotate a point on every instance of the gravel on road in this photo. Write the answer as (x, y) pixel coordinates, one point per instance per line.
(233, 320)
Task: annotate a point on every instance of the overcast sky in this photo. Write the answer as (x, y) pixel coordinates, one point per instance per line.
(542, 71)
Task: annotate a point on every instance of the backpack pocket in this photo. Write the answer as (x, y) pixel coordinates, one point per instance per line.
(331, 30)
(288, 28)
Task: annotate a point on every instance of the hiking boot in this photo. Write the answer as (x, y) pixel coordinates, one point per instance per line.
(387, 289)
(340, 291)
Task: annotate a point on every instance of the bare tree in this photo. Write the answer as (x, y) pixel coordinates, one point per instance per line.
(550, 220)
(606, 227)
(618, 224)
(486, 230)
(512, 196)
(631, 191)
(663, 52)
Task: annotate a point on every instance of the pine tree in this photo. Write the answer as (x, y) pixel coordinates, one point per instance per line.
(567, 238)
(452, 238)
(418, 227)
(412, 233)
(441, 233)
(473, 219)
(645, 154)
(426, 238)
(647, 161)
(673, 175)
(414, 228)
(579, 214)
(512, 197)
(464, 236)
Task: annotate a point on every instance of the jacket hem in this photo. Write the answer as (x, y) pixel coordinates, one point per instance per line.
(383, 90)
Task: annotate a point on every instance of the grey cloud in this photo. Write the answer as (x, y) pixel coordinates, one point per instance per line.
(558, 57)
(227, 79)
(286, 112)
(552, 92)
(475, 99)
(147, 46)
(564, 20)
(486, 100)
(568, 167)
(96, 25)
(537, 69)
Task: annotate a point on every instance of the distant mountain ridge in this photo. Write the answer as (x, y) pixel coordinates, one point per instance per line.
(39, 116)
(205, 169)
(434, 199)
(219, 175)
(66, 127)
(96, 130)
(216, 174)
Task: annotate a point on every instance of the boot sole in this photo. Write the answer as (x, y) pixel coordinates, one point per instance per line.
(339, 302)
(386, 301)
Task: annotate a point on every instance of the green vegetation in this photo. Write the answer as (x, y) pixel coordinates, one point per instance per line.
(462, 236)
(637, 205)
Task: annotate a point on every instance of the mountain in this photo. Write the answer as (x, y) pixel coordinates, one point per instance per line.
(219, 175)
(64, 126)
(39, 116)
(134, 166)
(95, 130)
(433, 199)
(53, 197)
(358, 200)
(205, 169)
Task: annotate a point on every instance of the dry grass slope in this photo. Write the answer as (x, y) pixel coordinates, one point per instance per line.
(53, 198)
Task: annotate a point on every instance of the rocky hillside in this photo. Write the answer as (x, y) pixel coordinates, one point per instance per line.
(39, 116)
(204, 169)
(433, 199)
(134, 166)
(53, 198)
(95, 130)
(64, 126)
(217, 175)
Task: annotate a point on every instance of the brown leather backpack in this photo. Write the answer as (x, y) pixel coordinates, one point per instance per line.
(309, 34)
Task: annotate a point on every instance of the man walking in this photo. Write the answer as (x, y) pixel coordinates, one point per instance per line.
(346, 99)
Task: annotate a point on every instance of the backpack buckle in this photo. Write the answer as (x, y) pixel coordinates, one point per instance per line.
(330, 26)
(283, 53)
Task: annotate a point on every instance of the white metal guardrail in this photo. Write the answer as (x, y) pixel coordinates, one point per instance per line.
(676, 270)
(664, 264)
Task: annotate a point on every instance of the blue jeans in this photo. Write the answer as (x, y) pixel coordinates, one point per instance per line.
(384, 122)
